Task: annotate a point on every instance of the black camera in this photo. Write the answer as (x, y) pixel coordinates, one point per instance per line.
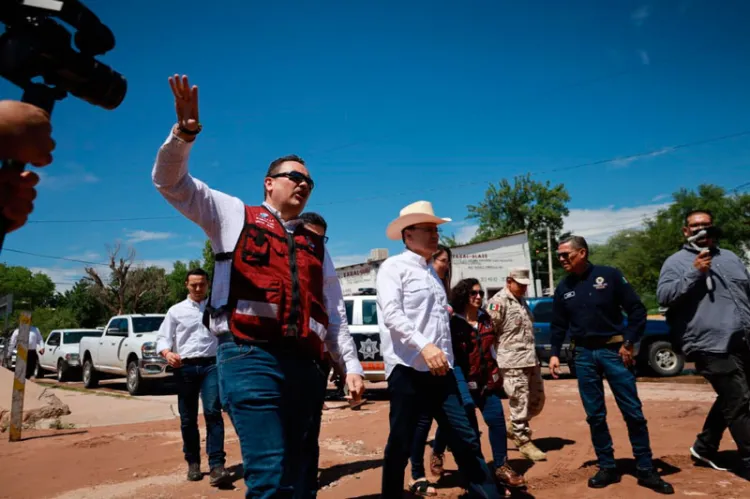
(34, 46)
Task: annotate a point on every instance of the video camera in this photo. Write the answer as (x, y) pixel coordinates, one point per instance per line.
(36, 46)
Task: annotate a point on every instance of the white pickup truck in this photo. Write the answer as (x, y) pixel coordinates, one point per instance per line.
(126, 348)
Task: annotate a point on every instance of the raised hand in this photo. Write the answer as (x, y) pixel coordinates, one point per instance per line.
(185, 105)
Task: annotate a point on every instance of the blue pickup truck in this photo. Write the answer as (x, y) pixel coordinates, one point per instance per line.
(654, 352)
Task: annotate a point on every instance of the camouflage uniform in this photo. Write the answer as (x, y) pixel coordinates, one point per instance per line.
(518, 362)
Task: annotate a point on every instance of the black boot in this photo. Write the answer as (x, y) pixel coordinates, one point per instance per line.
(194, 472)
(604, 477)
(651, 480)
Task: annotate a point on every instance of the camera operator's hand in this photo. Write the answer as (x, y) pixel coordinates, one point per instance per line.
(17, 195)
(25, 133)
(702, 262)
(186, 106)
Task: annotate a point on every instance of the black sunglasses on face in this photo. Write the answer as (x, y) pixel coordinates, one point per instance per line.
(475, 293)
(295, 177)
(565, 255)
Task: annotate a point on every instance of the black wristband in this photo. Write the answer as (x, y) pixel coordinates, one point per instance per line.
(190, 132)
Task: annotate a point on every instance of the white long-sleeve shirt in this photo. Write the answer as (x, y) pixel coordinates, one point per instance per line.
(36, 341)
(183, 332)
(412, 312)
(222, 218)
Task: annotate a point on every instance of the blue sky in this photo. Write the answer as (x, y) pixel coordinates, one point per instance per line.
(392, 102)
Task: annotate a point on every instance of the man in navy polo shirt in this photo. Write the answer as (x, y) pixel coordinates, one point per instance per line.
(590, 302)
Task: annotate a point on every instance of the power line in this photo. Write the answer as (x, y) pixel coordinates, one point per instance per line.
(52, 257)
(631, 157)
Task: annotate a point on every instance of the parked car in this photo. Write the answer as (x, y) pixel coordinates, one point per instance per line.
(61, 353)
(654, 351)
(362, 316)
(127, 347)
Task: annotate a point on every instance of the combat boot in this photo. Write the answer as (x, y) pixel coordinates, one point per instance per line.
(532, 452)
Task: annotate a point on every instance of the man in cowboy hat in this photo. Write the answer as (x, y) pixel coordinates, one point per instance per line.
(413, 317)
(517, 359)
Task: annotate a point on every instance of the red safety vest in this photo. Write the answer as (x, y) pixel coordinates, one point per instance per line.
(276, 284)
(472, 349)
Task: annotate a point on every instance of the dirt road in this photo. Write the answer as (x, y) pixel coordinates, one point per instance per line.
(144, 460)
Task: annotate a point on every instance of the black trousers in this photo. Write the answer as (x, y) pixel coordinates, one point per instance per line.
(32, 359)
(728, 375)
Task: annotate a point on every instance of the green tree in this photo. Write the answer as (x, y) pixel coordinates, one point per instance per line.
(30, 290)
(48, 318)
(208, 258)
(147, 290)
(88, 311)
(176, 280)
(525, 205)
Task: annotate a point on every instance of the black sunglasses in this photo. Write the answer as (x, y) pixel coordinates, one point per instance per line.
(295, 177)
(474, 292)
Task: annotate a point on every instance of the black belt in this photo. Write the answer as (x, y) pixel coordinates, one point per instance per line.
(594, 342)
(199, 361)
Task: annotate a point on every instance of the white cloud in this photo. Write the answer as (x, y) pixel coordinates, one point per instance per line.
(466, 232)
(65, 181)
(640, 15)
(139, 236)
(596, 225)
(645, 59)
(626, 160)
(659, 197)
(345, 260)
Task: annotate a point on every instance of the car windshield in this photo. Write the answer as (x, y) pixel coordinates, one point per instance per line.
(73, 337)
(146, 324)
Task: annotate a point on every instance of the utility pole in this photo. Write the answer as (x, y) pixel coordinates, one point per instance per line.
(549, 260)
(19, 379)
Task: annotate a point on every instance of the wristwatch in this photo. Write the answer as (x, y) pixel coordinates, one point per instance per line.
(627, 343)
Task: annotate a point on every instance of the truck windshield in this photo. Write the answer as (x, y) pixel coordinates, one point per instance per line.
(75, 336)
(146, 324)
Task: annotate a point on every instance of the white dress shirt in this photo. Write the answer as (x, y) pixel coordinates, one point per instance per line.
(36, 342)
(412, 312)
(222, 218)
(183, 332)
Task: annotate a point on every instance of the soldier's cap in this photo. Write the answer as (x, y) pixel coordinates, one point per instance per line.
(520, 275)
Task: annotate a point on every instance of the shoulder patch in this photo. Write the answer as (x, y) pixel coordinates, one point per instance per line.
(494, 306)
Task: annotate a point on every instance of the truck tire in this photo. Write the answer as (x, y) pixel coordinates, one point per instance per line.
(38, 371)
(90, 377)
(134, 382)
(664, 360)
(62, 371)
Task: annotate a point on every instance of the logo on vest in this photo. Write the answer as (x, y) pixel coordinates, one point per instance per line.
(369, 349)
(600, 284)
(265, 220)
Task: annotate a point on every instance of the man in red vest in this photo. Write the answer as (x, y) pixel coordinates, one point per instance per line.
(273, 306)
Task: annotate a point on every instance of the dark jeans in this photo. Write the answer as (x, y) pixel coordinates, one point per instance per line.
(194, 381)
(728, 375)
(592, 365)
(410, 393)
(32, 359)
(275, 399)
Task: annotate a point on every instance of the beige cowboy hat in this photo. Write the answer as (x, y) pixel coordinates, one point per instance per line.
(420, 212)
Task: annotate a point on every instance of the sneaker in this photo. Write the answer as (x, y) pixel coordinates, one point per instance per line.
(604, 478)
(194, 472)
(705, 459)
(651, 480)
(436, 464)
(532, 452)
(509, 477)
(219, 476)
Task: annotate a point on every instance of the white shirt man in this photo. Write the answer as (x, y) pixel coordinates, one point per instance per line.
(414, 323)
(190, 348)
(35, 347)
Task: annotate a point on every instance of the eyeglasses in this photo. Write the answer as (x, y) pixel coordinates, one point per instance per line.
(295, 177)
(565, 255)
(474, 292)
(325, 239)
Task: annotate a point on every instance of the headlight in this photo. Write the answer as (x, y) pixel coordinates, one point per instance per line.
(71, 356)
(149, 349)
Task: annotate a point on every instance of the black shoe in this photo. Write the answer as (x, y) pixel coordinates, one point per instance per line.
(219, 476)
(194, 472)
(743, 472)
(705, 458)
(651, 480)
(604, 477)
